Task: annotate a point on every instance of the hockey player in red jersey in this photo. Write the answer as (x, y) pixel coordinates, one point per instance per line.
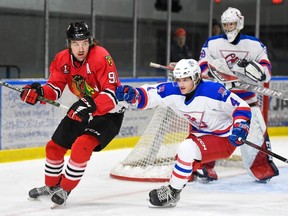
(91, 122)
(219, 122)
(255, 68)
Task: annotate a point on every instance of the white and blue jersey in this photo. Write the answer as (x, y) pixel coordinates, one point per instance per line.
(212, 110)
(244, 47)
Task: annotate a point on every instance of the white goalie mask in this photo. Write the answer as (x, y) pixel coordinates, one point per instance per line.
(188, 68)
(232, 15)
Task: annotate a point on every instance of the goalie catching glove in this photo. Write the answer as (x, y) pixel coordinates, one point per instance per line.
(239, 133)
(30, 93)
(129, 94)
(252, 70)
(82, 109)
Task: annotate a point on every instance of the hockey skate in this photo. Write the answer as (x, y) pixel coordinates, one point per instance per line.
(165, 196)
(210, 173)
(59, 197)
(205, 175)
(42, 191)
(263, 181)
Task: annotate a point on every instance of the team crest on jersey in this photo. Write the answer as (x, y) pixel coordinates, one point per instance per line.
(109, 60)
(231, 57)
(65, 69)
(196, 119)
(80, 87)
(161, 89)
(202, 54)
(222, 91)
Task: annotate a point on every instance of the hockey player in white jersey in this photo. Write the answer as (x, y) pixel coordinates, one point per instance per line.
(219, 121)
(247, 56)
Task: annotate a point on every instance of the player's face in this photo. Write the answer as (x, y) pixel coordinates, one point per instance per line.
(230, 26)
(80, 49)
(186, 85)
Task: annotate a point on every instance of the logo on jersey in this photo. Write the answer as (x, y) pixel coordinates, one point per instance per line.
(196, 119)
(161, 88)
(231, 57)
(80, 87)
(65, 69)
(222, 91)
(202, 54)
(109, 60)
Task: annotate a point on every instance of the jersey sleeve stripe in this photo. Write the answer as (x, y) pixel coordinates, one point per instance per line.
(57, 90)
(144, 98)
(111, 94)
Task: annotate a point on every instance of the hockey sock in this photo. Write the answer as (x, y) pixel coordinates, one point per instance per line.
(54, 163)
(81, 152)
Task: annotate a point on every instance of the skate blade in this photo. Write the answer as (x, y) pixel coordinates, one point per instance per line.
(171, 205)
(54, 206)
(32, 199)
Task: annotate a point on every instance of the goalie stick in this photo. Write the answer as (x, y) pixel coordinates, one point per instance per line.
(224, 76)
(40, 98)
(266, 151)
(229, 77)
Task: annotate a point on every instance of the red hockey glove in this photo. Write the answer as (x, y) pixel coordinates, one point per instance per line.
(239, 132)
(31, 92)
(81, 109)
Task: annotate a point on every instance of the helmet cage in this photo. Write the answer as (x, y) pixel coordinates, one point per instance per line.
(229, 16)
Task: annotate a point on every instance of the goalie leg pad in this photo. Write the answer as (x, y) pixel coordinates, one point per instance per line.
(263, 167)
(259, 165)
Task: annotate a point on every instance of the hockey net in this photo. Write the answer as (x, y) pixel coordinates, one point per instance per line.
(153, 157)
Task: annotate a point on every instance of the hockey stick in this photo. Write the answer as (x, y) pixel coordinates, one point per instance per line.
(266, 151)
(54, 103)
(155, 65)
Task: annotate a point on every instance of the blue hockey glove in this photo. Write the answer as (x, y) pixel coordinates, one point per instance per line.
(239, 132)
(127, 93)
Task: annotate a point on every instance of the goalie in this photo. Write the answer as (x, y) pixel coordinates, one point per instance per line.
(247, 57)
(219, 121)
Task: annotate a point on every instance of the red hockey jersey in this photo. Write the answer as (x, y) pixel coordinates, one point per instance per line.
(96, 77)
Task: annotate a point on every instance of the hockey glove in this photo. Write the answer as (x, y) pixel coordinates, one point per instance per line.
(128, 93)
(253, 70)
(81, 109)
(31, 92)
(239, 132)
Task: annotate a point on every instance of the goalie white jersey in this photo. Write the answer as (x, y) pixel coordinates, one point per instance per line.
(259, 165)
(244, 47)
(211, 110)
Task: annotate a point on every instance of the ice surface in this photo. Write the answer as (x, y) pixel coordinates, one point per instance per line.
(235, 193)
